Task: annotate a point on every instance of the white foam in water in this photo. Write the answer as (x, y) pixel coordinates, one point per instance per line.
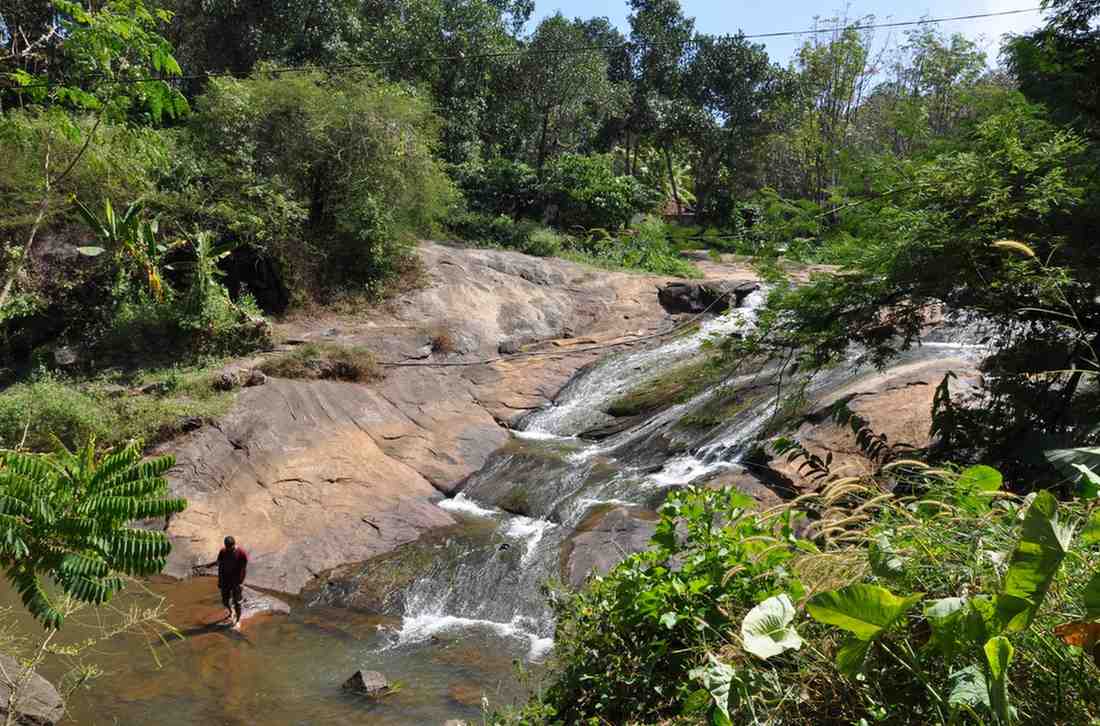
(465, 505)
(531, 531)
(420, 628)
(617, 374)
(541, 436)
(685, 469)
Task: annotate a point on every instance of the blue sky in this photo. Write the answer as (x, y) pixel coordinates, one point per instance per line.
(728, 16)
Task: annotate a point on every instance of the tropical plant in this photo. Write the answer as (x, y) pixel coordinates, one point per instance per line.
(66, 516)
(131, 238)
(997, 576)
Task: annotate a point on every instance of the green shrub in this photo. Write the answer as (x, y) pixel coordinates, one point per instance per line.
(645, 247)
(150, 405)
(120, 163)
(587, 193)
(498, 186)
(492, 231)
(330, 177)
(807, 613)
(544, 242)
(325, 361)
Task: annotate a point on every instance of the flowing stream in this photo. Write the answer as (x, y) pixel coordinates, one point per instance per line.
(479, 605)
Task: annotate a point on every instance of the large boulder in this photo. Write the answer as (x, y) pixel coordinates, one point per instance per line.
(37, 702)
(712, 296)
(604, 539)
(895, 403)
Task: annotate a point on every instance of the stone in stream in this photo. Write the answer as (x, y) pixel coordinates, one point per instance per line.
(465, 693)
(604, 539)
(371, 684)
(714, 296)
(255, 603)
(39, 703)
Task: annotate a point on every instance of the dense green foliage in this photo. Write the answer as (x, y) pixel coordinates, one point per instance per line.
(151, 405)
(877, 607)
(65, 516)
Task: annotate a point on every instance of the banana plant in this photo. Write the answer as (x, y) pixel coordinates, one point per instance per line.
(129, 236)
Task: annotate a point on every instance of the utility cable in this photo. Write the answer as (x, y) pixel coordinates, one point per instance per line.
(528, 52)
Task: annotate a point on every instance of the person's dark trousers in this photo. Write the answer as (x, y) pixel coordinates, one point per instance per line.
(232, 592)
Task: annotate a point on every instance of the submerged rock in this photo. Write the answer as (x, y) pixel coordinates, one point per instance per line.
(371, 684)
(37, 704)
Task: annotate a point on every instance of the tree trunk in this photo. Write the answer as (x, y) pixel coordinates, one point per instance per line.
(542, 141)
(672, 181)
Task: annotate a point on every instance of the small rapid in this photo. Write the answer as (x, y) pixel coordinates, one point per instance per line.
(541, 487)
(555, 477)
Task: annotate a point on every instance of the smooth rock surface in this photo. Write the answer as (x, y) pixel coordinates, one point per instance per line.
(38, 703)
(896, 403)
(712, 296)
(309, 475)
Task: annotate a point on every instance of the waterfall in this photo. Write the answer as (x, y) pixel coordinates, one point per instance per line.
(531, 496)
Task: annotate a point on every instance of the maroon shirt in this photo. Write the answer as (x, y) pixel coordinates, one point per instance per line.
(232, 567)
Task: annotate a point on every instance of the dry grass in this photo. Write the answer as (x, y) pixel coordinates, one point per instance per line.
(442, 342)
(325, 361)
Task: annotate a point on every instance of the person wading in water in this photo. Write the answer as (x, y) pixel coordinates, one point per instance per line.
(232, 565)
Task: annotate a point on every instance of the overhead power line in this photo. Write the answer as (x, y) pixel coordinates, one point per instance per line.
(527, 52)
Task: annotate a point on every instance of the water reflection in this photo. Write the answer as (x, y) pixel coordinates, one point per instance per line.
(284, 670)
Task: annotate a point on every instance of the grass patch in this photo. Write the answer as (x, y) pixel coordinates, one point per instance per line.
(326, 361)
(671, 266)
(676, 385)
(148, 405)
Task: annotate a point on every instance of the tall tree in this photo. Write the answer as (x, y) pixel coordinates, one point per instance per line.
(730, 89)
(567, 94)
(660, 41)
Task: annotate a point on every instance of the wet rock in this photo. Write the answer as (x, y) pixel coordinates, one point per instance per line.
(371, 684)
(38, 703)
(255, 603)
(604, 539)
(766, 491)
(66, 356)
(714, 296)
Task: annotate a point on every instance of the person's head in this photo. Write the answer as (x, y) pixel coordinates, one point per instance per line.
(230, 543)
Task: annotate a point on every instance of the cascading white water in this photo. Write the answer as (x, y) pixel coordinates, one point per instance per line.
(485, 587)
(583, 397)
(538, 490)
